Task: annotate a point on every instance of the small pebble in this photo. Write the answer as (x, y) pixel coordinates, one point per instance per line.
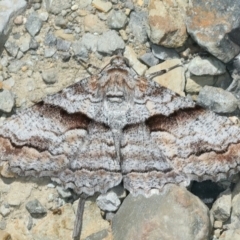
(18, 20)
(24, 68)
(74, 7)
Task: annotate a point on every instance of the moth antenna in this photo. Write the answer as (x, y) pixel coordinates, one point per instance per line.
(163, 71)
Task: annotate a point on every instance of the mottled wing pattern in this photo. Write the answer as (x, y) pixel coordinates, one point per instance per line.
(179, 142)
(59, 138)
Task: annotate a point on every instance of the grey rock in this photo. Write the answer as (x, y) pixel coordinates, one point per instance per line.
(15, 66)
(232, 234)
(221, 208)
(63, 45)
(3, 224)
(217, 100)
(61, 22)
(116, 19)
(11, 9)
(206, 66)
(219, 37)
(35, 208)
(24, 43)
(11, 48)
(63, 192)
(19, 55)
(49, 76)
(164, 53)
(6, 101)
(119, 190)
(4, 61)
(4, 210)
(33, 44)
(98, 235)
(36, 6)
(174, 214)
(80, 51)
(33, 24)
(49, 52)
(56, 7)
(30, 223)
(84, 3)
(44, 16)
(108, 202)
(109, 42)
(109, 216)
(138, 26)
(235, 214)
(89, 41)
(149, 59)
(50, 39)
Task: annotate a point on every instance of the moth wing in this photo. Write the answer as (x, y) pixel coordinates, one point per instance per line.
(48, 139)
(178, 142)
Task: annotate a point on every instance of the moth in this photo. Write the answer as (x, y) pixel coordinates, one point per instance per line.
(117, 126)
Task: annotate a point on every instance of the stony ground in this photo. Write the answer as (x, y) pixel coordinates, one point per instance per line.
(46, 45)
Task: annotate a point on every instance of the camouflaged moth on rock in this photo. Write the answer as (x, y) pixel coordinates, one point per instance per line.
(117, 126)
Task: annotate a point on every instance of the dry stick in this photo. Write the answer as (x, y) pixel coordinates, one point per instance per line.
(78, 219)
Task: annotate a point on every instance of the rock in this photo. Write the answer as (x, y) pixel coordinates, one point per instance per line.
(4, 210)
(149, 59)
(9, 10)
(6, 101)
(134, 62)
(217, 100)
(24, 43)
(5, 235)
(221, 208)
(49, 52)
(50, 39)
(33, 44)
(43, 16)
(109, 42)
(206, 66)
(64, 193)
(33, 24)
(36, 6)
(35, 208)
(236, 203)
(18, 20)
(74, 7)
(230, 235)
(61, 22)
(116, 19)
(89, 41)
(80, 51)
(99, 235)
(108, 202)
(11, 48)
(65, 36)
(119, 190)
(174, 33)
(218, 224)
(195, 83)
(49, 76)
(15, 66)
(23, 189)
(218, 35)
(84, 3)
(174, 79)
(102, 5)
(174, 214)
(56, 8)
(3, 225)
(93, 24)
(164, 53)
(138, 26)
(63, 45)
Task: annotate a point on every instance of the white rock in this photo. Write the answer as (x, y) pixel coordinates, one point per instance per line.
(134, 62)
(108, 202)
(221, 208)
